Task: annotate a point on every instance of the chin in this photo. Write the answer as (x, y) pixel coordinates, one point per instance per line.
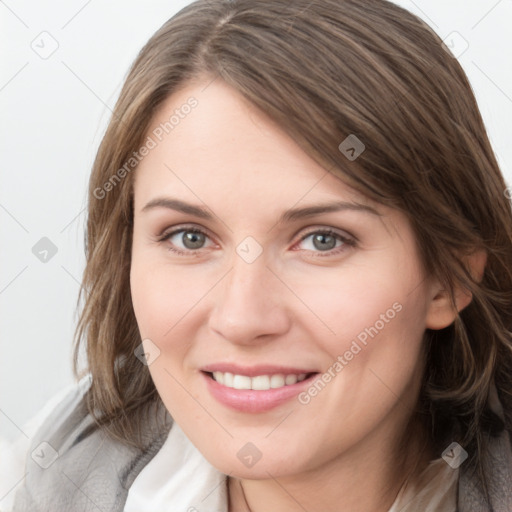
(255, 461)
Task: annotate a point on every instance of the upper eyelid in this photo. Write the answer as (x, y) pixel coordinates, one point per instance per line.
(177, 229)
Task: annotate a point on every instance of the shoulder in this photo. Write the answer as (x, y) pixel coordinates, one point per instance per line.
(71, 464)
(14, 453)
(497, 466)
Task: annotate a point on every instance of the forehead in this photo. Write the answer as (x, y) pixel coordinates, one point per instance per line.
(224, 144)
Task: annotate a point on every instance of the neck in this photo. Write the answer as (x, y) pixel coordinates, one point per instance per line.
(355, 481)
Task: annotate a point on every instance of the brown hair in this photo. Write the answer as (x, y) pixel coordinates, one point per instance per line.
(324, 70)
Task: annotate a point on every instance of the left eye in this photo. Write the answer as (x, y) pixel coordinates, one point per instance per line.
(324, 241)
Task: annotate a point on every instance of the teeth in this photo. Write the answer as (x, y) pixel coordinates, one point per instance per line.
(219, 377)
(277, 381)
(290, 379)
(261, 382)
(241, 382)
(228, 379)
(258, 383)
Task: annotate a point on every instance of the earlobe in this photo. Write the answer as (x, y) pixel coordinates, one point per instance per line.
(441, 312)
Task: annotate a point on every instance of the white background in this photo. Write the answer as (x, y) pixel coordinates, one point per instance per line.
(54, 112)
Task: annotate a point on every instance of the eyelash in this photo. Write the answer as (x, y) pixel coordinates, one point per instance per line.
(347, 242)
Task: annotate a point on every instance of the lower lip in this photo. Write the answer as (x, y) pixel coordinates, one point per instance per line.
(250, 400)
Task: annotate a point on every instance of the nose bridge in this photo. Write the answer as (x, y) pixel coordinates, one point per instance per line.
(245, 304)
(247, 288)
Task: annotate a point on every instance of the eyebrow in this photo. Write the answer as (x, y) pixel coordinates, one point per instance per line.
(288, 216)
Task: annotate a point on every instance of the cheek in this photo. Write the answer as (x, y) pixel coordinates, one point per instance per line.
(163, 297)
(169, 305)
(344, 303)
(163, 302)
(374, 363)
(370, 315)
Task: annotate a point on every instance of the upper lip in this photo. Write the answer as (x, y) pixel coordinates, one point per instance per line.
(253, 371)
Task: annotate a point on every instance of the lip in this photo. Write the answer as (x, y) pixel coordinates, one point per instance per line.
(253, 401)
(253, 371)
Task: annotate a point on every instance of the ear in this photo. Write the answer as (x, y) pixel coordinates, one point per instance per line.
(440, 312)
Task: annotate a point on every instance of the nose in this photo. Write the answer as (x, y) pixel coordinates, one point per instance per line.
(250, 304)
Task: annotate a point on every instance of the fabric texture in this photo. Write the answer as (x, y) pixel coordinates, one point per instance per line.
(71, 465)
(93, 472)
(435, 490)
(13, 450)
(178, 478)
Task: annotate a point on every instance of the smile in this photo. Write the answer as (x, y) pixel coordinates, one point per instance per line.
(257, 383)
(264, 389)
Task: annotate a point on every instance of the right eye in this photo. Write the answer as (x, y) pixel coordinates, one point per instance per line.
(185, 241)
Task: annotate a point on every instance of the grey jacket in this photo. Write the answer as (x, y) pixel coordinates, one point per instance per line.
(73, 467)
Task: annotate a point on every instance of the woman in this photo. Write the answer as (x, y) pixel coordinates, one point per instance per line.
(298, 285)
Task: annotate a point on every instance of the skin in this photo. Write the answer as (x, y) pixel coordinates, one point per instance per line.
(295, 305)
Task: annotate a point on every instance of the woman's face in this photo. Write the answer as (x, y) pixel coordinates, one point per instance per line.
(252, 261)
